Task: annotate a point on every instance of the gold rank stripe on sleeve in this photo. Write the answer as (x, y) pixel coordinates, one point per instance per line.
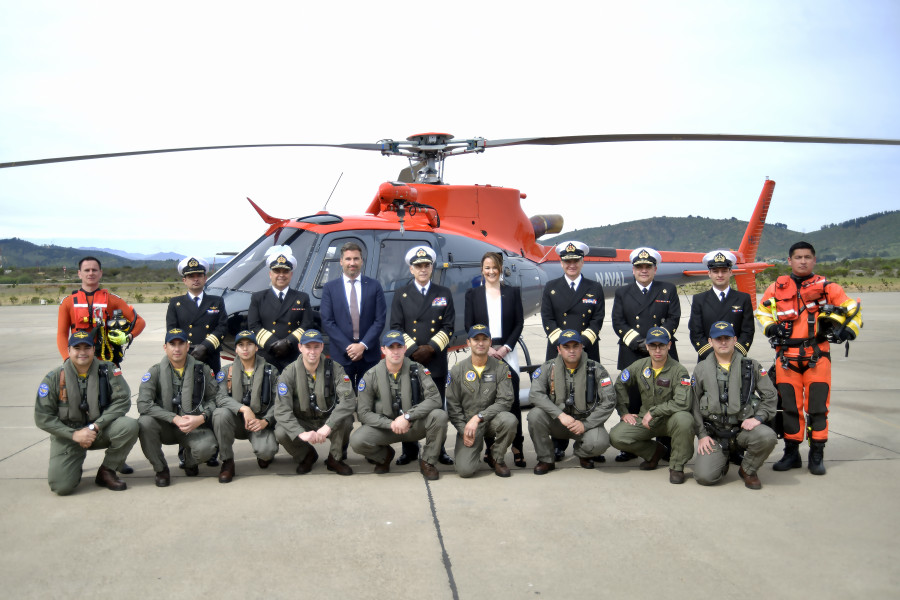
(297, 333)
(213, 340)
(554, 335)
(441, 339)
(630, 335)
(262, 337)
(589, 335)
(707, 347)
(738, 345)
(408, 341)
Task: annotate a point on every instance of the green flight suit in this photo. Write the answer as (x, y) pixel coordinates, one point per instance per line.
(667, 398)
(295, 414)
(708, 383)
(61, 419)
(159, 385)
(374, 404)
(548, 405)
(489, 395)
(228, 421)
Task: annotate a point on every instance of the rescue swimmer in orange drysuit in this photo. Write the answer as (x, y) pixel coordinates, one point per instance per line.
(99, 312)
(801, 314)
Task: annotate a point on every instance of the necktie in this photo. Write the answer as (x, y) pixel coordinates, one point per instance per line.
(423, 291)
(722, 296)
(644, 291)
(354, 309)
(281, 296)
(572, 285)
(197, 300)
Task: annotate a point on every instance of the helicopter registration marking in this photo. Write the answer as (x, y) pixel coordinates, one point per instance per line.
(610, 278)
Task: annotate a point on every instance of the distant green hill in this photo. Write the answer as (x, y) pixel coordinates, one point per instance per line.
(20, 253)
(875, 235)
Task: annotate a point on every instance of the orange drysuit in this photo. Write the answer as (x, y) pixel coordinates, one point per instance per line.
(86, 310)
(803, 359)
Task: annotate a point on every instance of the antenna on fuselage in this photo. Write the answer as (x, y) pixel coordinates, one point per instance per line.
(332, 190)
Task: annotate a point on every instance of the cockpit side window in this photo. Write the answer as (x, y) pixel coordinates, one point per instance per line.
(331, 265)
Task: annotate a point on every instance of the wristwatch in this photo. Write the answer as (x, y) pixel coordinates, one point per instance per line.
(406, 416)
(92, 427)
(480, 417)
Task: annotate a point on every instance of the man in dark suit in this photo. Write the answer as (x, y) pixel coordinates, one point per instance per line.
(353, 314)
(637, 308)
(424, 312)
(720, 303)
(572, 302)
(202, 316)
(279, 315)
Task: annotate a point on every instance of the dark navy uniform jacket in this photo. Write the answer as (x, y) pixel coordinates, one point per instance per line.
(582, 310)
(707, 308)
(426, 319)
(634, 314)
(205, 325)
(272, 320)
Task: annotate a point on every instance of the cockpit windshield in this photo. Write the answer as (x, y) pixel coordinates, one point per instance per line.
(247, 271)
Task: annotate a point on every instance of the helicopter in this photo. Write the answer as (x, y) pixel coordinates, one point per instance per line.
(459, 222)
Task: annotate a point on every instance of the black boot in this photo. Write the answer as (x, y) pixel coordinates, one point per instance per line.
(791, 458)
(816, 458)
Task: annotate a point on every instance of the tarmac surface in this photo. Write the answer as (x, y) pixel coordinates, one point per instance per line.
(613, 531)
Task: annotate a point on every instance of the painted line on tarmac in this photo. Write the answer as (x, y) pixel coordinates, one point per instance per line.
(445, 558)
(20, 451)
(864, 441)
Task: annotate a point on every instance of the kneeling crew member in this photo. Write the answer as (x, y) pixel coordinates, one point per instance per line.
(479, 396)
(82, 404)
(246, 406)
(801, 314)
(733, 398)
(315, 403)
(664, 386)
(397, 401)
(572, 397)
(176, 400)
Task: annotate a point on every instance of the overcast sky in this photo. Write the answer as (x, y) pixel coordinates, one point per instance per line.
(95, 77)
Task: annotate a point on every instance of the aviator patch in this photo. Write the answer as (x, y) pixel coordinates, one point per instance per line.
(470, 375)
(536, 374)
(146, 377)
(647, 372)
(43, 390)
(220, 376)
(282, 389)
(625, 375)
(361, 386)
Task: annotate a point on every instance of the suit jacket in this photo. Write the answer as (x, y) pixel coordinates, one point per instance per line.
(707, 308)
(272, 320)
(205, 325)
(511, 314)
(336, 323)
(634, 314)
(582, 310)
(425, 320)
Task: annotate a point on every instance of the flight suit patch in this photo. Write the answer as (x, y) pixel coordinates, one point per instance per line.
(282, 389)
(361, 386)
(489, 377)
(605, 382)
(625, 376)
(470, 375)
(146, 377)
(43, 390)
(647, 372)
(220, 376)
(536, 374)
(664, 383)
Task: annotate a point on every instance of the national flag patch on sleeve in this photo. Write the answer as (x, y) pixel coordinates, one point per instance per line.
(346, 379)
(685, 381)
(605, 382)
(117, 372)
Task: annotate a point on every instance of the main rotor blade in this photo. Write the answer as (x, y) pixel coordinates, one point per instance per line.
(681, 137)
(44, 161)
